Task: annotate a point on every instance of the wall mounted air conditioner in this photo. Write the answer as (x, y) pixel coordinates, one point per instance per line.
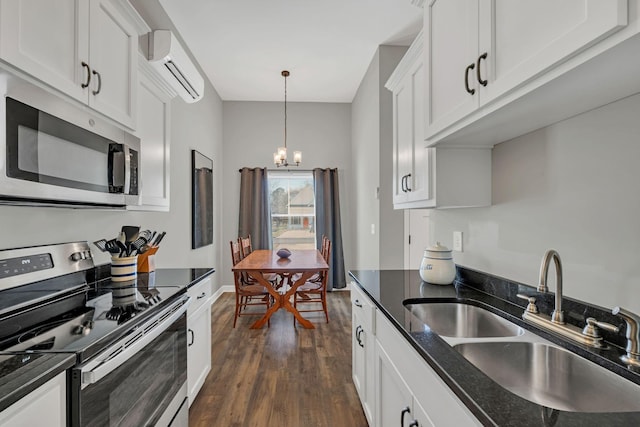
(169, 58)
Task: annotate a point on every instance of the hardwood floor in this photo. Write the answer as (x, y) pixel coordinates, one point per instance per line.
(281, 376)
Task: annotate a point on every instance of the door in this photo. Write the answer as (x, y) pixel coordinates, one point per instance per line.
(48, 40)
(524, 39)
(198, 349)
(451, 47)
(113, 58)
(419, 181)
(417, 237)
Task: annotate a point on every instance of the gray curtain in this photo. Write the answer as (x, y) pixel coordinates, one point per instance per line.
(328, 222)
(254, 216)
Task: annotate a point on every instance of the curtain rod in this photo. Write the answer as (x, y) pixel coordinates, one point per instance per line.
(288, 170)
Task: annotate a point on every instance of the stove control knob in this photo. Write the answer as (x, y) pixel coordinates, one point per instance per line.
(84, 329)
(77, 256)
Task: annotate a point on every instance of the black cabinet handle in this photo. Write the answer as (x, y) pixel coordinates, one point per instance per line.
(357, 303)
(407, 182)
(415, 423)
(466, 79)
(405, 410)
(97, 91)
(88, 81)
(193, 338)
(202, 295)
(358, 332)
(480, 58)
(402, 183)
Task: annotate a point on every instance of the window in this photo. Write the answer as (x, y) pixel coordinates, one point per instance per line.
(292, 209)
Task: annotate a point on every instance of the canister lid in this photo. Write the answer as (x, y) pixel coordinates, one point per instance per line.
(437, 251)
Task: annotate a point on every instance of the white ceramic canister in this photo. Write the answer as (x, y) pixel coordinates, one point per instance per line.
(437, 265)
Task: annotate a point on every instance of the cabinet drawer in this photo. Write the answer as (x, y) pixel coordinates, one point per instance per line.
(199, 293)
(363, 308)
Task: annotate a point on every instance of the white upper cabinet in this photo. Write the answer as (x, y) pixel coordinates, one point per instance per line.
(85, 49)
(480, 51)
(411, 171)
(154, 118)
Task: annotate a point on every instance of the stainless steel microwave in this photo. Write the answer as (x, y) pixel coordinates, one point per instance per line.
(57, 152)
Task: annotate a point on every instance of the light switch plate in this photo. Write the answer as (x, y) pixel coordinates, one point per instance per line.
(457, 241)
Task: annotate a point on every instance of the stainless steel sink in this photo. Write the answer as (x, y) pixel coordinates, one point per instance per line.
(462, 320)
(552, 377)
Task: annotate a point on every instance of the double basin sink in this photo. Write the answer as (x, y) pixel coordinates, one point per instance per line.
(524, 363)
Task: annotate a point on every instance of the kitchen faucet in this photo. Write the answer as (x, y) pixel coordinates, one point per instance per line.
(556, 316)
(589, 335)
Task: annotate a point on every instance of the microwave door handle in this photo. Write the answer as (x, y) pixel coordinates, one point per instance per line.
(127, 170)
(99, 368)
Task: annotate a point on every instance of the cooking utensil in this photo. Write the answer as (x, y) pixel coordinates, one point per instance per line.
(123, 248)
(159, 238)
(130, 232)
(100, 244)
(136, 245)
(112, 247)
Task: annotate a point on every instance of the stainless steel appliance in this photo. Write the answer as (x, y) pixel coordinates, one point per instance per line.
(129, 338)
(56, 153)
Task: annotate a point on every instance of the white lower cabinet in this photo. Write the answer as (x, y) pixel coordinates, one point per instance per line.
(395, 401)
(46, 405)
(405, 380)
(198, 337)
(362, 346)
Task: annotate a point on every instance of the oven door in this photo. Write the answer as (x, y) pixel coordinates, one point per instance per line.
(141, 381)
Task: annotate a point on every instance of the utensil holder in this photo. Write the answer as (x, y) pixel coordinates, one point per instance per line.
(147, 260)
(124, 269)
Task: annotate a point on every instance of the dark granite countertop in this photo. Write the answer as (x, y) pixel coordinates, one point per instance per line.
(488, 401)
(22, 374)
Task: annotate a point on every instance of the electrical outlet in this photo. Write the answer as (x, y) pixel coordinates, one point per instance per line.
(457, 241)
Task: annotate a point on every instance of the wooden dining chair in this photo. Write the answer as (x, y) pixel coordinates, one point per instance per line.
(245, 245)
(314, 290)
(247, 294)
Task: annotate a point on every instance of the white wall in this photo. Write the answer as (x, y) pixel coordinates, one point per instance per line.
(253, 131)
(371, 148)
(572, 186)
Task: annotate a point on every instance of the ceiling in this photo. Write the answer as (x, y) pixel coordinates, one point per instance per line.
(327, 45)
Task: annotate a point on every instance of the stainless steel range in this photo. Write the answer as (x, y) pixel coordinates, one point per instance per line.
(129, 338)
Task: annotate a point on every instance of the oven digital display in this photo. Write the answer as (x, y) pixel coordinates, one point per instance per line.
(22, 265)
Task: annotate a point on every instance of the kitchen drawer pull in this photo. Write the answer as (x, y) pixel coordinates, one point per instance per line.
(407, 182)
(480, 58)
(402, 183)
(193, 338)
(405, 410)
(357, 303)
(88, 81)
(202, 295)
(97, 91)
(466, 79)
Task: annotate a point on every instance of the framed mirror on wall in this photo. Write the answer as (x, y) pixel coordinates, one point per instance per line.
(201, 200)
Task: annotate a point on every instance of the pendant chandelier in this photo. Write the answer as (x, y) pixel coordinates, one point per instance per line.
(280, 156)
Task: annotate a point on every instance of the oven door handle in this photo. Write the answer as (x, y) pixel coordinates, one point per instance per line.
(117, 354)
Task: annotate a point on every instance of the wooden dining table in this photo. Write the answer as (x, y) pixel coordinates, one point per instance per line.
(293, 272)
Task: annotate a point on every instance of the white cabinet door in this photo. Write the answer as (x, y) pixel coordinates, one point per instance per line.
(363, 342)
(47, 39)
(113, 55)
(419, 183)
(154, 117)
(451, 49)
(524, 39)
(393, 397)
(45, 406)
(198, 350)
(402, 141)
(198, 336)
